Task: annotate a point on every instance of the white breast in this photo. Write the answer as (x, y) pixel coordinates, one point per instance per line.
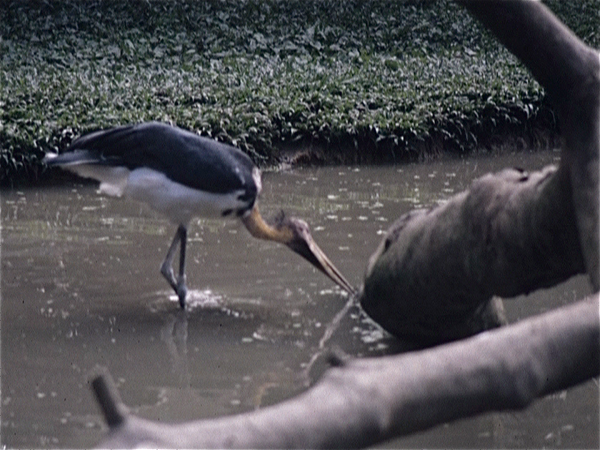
(176, 201)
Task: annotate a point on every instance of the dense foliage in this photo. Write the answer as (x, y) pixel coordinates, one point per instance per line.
(361, 80)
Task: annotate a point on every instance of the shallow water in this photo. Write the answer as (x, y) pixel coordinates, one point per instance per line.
(81, 291)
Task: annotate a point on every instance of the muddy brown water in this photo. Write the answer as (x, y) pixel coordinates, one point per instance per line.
(81, 290)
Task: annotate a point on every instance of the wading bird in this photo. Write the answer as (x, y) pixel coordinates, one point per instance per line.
(183, 175)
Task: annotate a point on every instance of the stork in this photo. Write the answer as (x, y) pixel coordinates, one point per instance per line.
(183, 175)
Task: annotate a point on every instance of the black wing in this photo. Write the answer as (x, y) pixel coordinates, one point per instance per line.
(183, 156)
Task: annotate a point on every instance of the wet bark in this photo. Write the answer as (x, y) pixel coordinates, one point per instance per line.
(569, 71)
(435, 274)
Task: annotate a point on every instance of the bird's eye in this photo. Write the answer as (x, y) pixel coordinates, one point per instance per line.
(304, 228)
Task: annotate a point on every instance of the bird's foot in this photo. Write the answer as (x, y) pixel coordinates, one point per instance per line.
(178, 286)
(181, 291)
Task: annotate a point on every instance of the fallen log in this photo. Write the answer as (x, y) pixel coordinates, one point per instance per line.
(434, 276)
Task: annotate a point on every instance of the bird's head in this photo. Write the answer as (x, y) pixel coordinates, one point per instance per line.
(296, 235)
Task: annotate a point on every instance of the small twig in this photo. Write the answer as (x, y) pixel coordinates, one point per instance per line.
(335, 322)
(108, 398)
(329, 330)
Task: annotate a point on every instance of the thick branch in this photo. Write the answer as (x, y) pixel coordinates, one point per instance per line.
(510, 233)
(570, 73)
(367, 401)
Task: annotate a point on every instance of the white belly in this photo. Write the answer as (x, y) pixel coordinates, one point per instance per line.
(176, 201)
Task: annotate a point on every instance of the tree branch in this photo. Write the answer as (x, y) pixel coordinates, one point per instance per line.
(510, 233)
(570, 72)
(434, 275)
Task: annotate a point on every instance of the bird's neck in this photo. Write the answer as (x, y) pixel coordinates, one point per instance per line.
(260, 229)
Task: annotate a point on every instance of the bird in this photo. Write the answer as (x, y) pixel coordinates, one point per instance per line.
(184, 175)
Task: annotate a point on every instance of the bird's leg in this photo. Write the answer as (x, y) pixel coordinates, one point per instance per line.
(166, 269)
(181, 286)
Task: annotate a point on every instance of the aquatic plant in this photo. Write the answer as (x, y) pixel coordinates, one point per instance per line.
(361, 80)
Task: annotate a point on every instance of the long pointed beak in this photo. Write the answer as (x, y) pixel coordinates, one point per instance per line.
(313, 254)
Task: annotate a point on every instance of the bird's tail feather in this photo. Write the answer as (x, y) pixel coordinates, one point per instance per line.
(77, 157)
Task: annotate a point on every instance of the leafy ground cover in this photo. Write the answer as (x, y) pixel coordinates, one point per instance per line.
(303, 80)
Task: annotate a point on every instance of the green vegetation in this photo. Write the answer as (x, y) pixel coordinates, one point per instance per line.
(360, 81)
